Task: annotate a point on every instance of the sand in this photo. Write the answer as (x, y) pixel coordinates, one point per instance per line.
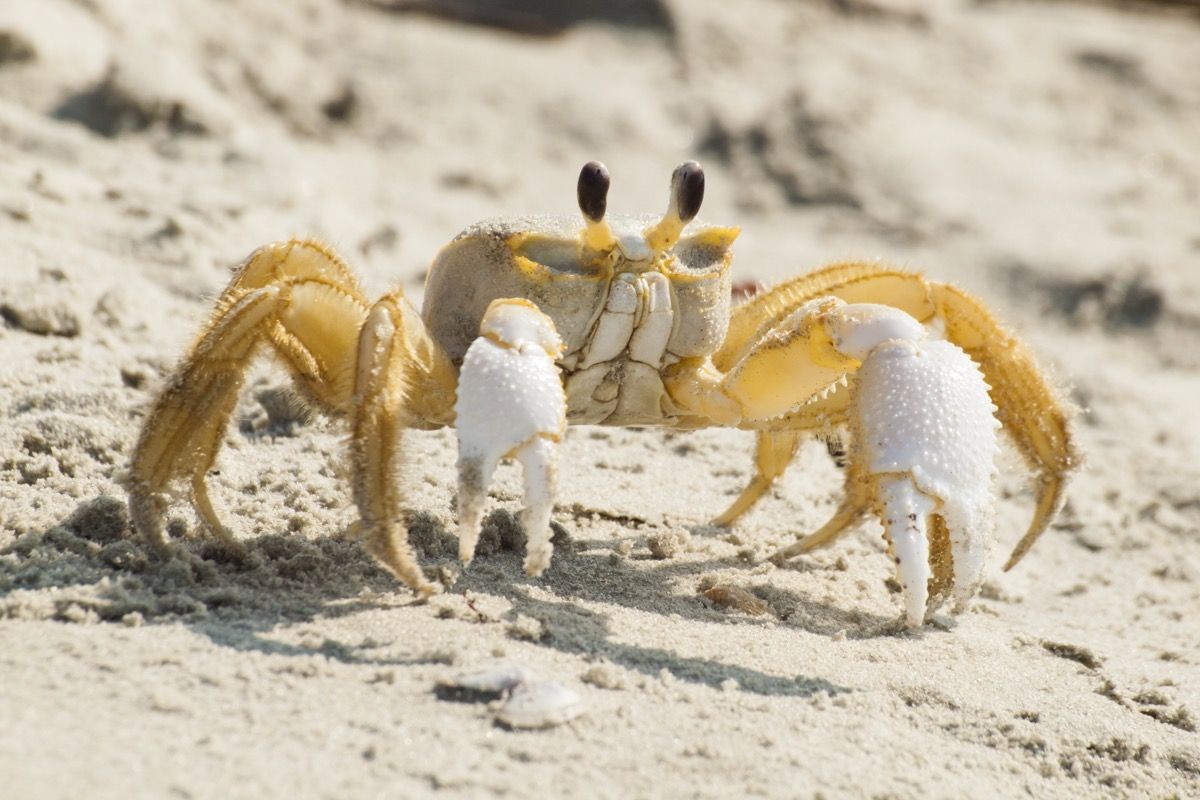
(1041, 154)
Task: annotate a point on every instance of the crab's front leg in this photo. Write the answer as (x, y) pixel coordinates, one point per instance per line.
(923, 436)
(510, 404)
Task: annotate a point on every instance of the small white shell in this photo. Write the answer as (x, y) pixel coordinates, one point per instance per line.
(486, 684)
(540, 705)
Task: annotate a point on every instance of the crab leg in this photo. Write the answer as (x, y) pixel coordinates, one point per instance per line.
(510, 404)
(298, 297)
(776, 443)
(402, 380)
(854, 506)
(773, 451)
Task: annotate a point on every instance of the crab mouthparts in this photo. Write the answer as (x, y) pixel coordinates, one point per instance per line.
(634, 247)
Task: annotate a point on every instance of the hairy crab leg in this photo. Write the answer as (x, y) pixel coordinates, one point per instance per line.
(773, 451)
(510, 404)
(776, 444)
(296, 296)
(402, 380)
(852, 509)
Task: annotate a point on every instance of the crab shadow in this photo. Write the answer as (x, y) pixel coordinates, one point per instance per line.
(540, 17)
(590, 570)
(95, 569)
(90, 567)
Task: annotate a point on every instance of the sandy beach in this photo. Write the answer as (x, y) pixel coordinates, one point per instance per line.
(1042, 155)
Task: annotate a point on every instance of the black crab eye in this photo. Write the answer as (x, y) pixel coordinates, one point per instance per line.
(592, 190)
(687, 189)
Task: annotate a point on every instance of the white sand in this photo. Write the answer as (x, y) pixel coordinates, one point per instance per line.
(1041, 154)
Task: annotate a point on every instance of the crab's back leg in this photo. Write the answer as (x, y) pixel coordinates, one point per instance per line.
(854, 506)
(1031, 410)
(403, 380)
(776, 443)
(773, 451)
(296, 296)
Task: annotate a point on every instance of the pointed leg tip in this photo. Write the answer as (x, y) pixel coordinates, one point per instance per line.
(1015, 558)
(426, 590)
(537, 564)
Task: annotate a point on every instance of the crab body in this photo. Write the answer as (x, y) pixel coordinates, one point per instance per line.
(622, 317)
(530, 324)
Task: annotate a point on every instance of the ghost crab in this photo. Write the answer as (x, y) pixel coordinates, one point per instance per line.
(530, 324)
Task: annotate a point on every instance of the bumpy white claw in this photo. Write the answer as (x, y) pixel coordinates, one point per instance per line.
(510, 405)
(904, 512)
(926, 441)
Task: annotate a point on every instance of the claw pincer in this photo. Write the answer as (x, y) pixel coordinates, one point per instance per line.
(510, 405)
(925, 442)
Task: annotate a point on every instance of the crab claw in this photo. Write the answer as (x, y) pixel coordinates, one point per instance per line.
(923, 440)
(510, 405)
(925, 448)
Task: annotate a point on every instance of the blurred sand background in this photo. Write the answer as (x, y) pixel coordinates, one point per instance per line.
(1045, 155)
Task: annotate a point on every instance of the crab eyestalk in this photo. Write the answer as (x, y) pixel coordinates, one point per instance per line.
(592, 192)
(687, 193)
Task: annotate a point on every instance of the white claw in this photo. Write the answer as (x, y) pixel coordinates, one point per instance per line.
(905, 512)
(510, 405)
(926, 437)
(541, 477)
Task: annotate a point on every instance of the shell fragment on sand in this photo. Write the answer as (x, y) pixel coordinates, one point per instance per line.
(483, 685)
(527, 704)
(544, 704)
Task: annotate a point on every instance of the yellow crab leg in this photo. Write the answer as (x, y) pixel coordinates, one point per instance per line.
(1032, 412)
(854, 506)
(773, 451)
(776, 443)
(297, 297)
(852, 282)
(402, 380)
